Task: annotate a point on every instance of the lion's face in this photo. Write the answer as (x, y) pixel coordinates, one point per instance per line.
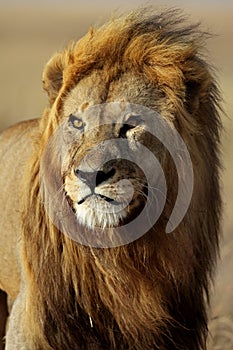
(103, 183)
(102, 178)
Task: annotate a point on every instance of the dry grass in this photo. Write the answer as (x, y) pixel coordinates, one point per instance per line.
(27, 40)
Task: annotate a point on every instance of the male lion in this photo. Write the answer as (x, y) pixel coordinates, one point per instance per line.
(68, 194)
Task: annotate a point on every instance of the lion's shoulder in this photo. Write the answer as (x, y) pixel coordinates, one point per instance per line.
(17, 130)
(16, 146)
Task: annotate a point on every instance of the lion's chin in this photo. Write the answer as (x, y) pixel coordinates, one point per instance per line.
(92, 214)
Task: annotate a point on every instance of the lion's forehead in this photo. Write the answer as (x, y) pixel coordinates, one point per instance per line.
(97, 89)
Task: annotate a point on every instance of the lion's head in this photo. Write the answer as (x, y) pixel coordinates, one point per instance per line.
(110, 176)
(149, 293)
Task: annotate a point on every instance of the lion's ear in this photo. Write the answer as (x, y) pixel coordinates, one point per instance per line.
(192, 95)
(53, 76)
(199, 84)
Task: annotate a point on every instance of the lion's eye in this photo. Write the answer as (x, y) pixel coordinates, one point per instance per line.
(76, 122)
(131, 123)
(124, 129)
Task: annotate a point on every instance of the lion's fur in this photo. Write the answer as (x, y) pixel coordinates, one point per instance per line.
(152, 293)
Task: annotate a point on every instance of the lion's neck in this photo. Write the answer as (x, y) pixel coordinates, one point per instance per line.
(116, 298)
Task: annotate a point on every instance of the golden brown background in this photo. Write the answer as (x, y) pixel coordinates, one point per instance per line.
(30, 32)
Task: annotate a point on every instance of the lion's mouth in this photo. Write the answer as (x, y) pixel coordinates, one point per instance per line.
(98, 195)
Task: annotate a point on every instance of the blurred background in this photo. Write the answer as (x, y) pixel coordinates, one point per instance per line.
(32, 31)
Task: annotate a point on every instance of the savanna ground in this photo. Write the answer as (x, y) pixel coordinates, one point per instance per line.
(28, 37)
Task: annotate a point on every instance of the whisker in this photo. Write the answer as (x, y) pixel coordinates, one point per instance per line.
(62, 187)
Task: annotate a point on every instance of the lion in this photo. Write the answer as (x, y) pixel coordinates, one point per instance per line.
(68, 195)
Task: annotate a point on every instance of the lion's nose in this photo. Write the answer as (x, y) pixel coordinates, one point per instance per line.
(94, 178)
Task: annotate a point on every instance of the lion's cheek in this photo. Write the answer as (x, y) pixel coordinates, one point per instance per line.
(71, 188)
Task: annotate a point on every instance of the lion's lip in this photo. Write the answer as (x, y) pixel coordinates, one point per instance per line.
(107, 199)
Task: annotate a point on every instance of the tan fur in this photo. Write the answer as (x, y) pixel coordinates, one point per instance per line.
(152, 293)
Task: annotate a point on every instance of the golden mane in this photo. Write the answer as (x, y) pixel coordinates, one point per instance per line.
(152, 293)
